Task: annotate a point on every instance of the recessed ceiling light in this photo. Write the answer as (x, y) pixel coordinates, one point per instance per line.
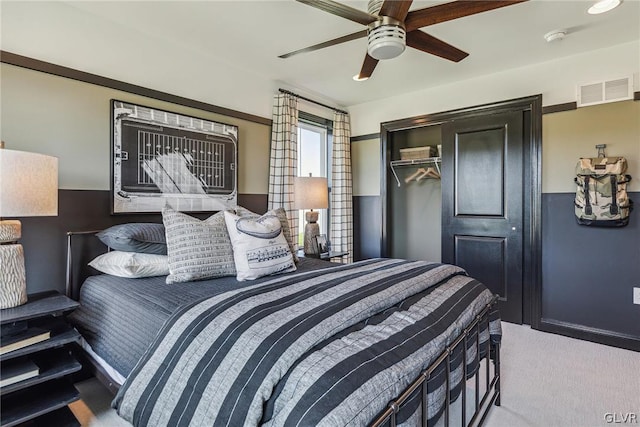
(360, 79)
(603, 6)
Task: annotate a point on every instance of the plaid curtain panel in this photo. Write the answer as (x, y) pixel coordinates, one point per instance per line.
(283, 163)
(341, 187)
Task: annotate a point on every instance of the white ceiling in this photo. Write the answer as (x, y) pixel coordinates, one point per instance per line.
(245, 37)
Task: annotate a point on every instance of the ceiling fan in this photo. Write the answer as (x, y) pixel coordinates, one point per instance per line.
(391, 27)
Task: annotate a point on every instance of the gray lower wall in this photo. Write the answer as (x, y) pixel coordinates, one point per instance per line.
(367, 226)
(588, 273)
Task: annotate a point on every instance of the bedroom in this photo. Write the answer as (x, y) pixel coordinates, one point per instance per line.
(74, 127)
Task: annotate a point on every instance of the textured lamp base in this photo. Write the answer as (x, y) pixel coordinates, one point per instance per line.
(311, 230)
(10, 231)
(13, 284)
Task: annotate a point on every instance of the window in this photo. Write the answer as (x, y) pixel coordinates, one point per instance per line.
(314, 134)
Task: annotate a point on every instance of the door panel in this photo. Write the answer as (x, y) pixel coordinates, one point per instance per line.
(475, 154)
(484, 256)
(482, 203)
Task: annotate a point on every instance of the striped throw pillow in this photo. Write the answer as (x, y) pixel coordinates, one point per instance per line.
(197, 249)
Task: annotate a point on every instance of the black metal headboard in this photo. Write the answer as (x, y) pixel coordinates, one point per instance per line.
(82, 247)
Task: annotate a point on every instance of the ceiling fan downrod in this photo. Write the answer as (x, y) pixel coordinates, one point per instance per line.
(374, 6)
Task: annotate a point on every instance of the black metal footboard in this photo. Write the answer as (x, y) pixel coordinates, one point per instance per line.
(470, 336)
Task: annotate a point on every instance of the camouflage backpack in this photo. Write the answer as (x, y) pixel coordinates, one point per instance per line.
(601, 196)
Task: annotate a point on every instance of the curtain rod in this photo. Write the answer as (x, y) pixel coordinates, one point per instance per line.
(312, 101)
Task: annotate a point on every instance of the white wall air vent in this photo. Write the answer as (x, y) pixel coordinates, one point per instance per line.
(607, 91)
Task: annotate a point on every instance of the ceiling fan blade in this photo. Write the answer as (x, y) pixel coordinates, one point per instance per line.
(426, 43)
(368, 66)
(322, 45)
(341, 10)
(448, 11)
(396, 9)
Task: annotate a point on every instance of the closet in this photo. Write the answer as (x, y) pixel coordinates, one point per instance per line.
(483, 213)
(414, 194)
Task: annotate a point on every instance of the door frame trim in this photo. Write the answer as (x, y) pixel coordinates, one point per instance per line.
(532, 237)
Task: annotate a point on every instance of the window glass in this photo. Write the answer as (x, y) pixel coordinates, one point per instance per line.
(312, 159)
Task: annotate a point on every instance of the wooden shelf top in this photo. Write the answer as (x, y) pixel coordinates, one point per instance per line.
(27, 404)
(39, 305)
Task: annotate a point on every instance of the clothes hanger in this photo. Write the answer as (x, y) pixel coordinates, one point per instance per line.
(429, 173)
(414, 175)
(434, 173)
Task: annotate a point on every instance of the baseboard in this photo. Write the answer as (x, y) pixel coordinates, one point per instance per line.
(600, 336)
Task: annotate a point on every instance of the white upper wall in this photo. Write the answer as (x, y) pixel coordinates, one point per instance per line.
(555, 80)
(51, 30)
(98, 38)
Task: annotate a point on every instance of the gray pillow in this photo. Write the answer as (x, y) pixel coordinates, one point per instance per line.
(284, 223)
(141, 237)
(197, 249)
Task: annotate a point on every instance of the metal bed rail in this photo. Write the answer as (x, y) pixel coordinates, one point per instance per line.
(72, 287)
(481, 406)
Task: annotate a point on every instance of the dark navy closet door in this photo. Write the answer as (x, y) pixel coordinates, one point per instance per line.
(482, 203)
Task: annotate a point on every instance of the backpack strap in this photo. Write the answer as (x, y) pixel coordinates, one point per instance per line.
(613, 209)
(587, 201)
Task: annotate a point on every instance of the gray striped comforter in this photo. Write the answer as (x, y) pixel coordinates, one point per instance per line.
(329, 347)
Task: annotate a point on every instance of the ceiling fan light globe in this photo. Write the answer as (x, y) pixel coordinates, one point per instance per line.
(603, 6)
(386, 42)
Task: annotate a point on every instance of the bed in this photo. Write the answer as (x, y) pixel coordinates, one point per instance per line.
(377, 342)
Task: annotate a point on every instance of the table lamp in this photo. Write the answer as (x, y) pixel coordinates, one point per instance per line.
(28, 187)
(311, 193)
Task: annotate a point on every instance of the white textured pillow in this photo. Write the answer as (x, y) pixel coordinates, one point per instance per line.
(284, 223)
(259, 247)
(131, 264)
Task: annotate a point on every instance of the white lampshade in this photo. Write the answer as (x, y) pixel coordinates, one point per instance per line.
(28, 184)
(311, 193)
(28, 187)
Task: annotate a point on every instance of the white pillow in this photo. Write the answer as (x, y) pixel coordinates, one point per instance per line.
(131, 264)
(259, 247)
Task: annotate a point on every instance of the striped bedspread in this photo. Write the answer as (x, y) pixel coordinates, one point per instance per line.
(324, 348)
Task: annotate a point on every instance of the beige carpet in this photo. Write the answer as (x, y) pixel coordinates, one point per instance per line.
(547, 380)
(551, 380)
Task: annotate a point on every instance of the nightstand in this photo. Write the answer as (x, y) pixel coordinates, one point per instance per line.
(327, 257)
(35, 389)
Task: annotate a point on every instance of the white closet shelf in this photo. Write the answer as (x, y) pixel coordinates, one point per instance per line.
(435, 161)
